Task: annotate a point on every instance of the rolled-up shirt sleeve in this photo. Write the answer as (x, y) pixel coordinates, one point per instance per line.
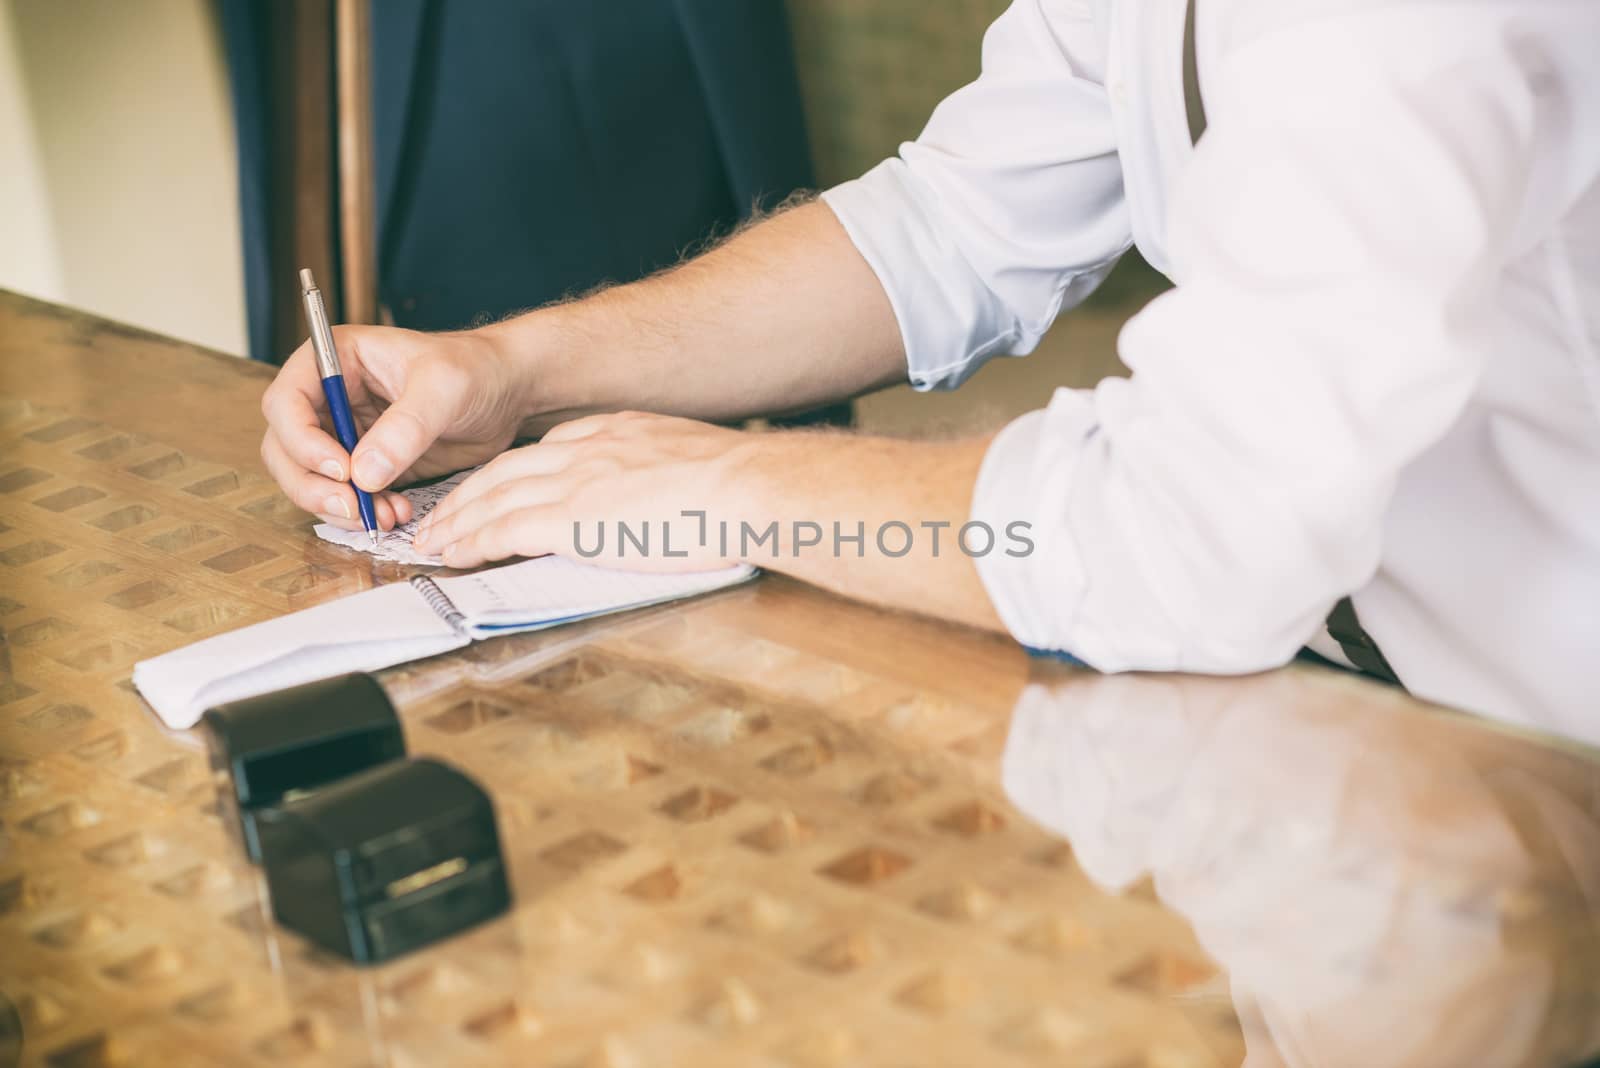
(1360, 184)
(1007, 208)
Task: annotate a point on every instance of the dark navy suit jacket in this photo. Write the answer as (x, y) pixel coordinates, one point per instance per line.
(528, 149)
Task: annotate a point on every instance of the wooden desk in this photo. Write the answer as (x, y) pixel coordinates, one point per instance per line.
(768, 827)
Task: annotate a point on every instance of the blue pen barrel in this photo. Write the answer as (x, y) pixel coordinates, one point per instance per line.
(344, 427)
(344, 424)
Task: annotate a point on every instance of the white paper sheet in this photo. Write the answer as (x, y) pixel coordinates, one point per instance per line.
(396, 544)
(363, 632)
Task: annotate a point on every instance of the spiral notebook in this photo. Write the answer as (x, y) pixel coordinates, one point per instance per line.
(401, 622)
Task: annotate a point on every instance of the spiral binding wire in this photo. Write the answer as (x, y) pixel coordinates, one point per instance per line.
(441, 604)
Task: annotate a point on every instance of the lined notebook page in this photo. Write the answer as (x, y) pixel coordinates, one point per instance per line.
(553, 589)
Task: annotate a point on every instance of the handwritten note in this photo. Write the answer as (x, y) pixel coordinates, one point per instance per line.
(396, 544)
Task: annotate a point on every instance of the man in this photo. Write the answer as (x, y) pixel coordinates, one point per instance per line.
(1379, 373)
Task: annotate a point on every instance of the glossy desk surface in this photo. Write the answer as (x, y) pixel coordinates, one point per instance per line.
(765, 828)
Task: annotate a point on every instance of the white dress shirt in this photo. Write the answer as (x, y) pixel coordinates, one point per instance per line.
(1379, 372)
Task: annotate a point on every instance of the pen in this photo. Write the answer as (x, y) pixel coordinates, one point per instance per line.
(344, 424)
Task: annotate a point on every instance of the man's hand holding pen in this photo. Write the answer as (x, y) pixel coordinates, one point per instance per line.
(429, 404)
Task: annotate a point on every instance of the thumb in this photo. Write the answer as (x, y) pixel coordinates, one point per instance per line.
(401, 434)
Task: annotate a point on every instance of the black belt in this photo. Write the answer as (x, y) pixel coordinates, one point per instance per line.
(1345, 628)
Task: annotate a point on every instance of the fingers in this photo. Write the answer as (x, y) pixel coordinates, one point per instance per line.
(430, 402)
(293, 406)
(385, 509)
(441, 532)
(390, 509)
(334, 501)
(526, 462)
(399, 506)
(306, 461)
(307, 489)
(531, 531)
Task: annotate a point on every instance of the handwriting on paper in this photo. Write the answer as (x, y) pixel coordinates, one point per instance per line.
(396, 544)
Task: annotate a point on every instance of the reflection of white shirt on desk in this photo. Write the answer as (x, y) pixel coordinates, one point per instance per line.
(1380, 371)
(1385, 888)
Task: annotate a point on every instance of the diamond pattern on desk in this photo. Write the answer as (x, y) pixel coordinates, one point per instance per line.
(726, 850)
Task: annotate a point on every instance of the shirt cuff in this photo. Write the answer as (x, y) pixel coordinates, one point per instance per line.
(1037, 583)
(949, 322)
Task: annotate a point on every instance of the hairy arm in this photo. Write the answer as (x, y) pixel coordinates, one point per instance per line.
(784, 316)
(873, 518)
(905, 501)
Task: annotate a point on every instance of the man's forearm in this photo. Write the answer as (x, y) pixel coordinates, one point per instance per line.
(782, 317)
(887, 517)
(877, 519)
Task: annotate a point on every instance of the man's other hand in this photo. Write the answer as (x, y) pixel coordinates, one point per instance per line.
(586, 479)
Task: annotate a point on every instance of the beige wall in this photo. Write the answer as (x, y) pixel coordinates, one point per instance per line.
(871, 71)
(28, 259)
(117, 153)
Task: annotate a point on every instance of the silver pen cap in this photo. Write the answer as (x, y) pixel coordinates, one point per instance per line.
(317, 322)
